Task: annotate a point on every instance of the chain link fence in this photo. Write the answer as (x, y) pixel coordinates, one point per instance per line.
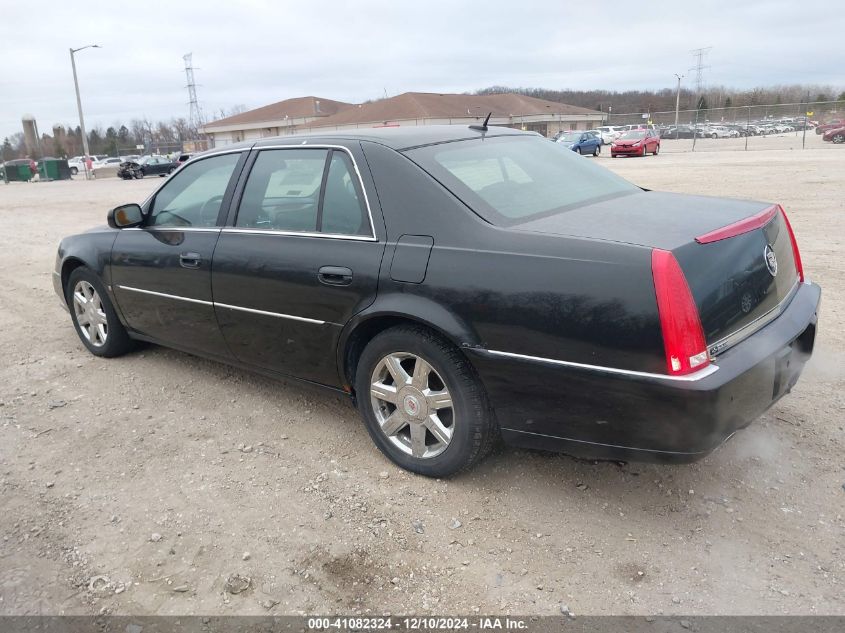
(753, 127)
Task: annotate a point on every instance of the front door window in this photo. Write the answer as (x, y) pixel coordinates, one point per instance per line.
(192, 197)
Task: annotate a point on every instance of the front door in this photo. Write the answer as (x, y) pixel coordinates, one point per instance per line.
(301, 258)
(161, 272)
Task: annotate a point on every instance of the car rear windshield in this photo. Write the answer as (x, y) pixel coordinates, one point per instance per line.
(633, 134)
(508, 180)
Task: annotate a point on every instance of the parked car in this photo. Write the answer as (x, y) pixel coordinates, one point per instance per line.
(108, 161)
(836, 135)
(830, 125)
(499, 286)
(610, 133)
(682, 131)
(146, 166)
(721, 131)
(580, 142)
(77, 164)
(636, 143)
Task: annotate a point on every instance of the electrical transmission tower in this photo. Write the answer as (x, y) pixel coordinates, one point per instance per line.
(194, 112)
(699, 54)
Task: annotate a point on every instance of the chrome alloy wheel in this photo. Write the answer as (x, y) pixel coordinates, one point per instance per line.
(412, 405)
(90, 314)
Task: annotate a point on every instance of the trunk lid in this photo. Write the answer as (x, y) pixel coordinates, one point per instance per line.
(737, 289)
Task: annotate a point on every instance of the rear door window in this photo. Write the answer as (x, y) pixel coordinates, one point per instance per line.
(305, 190)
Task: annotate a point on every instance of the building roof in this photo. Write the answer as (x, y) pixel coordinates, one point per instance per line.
(403, 107)
(428, 105)
(297, 108)
(399, 138)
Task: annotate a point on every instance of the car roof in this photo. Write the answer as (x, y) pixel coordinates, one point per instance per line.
(398, 138)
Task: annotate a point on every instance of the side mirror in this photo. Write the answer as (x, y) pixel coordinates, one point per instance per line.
(125, 216)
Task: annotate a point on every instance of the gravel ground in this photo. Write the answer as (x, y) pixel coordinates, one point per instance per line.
(159, 483)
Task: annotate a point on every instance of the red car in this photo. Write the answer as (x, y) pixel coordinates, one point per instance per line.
(636, 143)
(837, 135)
(830, 125)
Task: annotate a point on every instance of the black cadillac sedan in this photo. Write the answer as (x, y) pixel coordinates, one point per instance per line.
(461, 285)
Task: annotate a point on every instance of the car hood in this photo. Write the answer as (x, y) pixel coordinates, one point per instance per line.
(649, 218)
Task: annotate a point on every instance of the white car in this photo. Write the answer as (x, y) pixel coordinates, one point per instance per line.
(76, 164)
(610, 133)
(108, 161)
(720, 131)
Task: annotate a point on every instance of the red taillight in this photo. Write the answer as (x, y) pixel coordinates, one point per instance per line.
(683, 337)
(795, 254)
(738, 228)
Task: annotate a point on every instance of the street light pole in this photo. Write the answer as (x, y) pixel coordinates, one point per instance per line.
(678, 98)
(79, 105)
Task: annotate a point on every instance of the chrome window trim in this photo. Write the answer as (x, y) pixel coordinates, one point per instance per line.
(305, 145)
(216, 304)
(698, 375)
(272, 314)
(734, 338)
(336, 236)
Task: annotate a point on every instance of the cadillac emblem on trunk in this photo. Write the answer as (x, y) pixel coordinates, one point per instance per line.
(771, 260)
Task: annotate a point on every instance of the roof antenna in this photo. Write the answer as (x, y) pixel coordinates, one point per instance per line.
(483, 126)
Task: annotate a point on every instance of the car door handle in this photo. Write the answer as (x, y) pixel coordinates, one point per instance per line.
(335, 275)
(190, 260)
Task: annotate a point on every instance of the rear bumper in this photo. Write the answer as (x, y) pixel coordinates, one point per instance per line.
(602, 413)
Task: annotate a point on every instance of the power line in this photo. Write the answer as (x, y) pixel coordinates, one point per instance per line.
(699, 54)
(194, 112)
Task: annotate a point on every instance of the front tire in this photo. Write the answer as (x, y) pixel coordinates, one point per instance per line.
(138, 174)
(422, 403)
(839, 138)
(94, 316)
(597, 151)
(656, 149)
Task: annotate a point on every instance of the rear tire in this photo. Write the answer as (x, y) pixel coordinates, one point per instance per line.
(433, 418)
(94, 316)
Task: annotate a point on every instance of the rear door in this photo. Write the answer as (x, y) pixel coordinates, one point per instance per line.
(161, 272)
(299, 257)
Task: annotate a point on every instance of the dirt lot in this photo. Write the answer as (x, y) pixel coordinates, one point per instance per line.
(140, 485)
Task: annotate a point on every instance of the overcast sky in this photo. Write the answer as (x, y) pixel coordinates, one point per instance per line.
(255, 52)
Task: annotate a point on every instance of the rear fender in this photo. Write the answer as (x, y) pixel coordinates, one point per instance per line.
(396, 307)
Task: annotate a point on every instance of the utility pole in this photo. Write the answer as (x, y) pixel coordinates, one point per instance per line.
(79, 105)
(678, 98)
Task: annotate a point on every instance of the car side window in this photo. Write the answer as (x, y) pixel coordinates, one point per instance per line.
(282, 192)
(305, 190)
(343, 211)
(193, 196)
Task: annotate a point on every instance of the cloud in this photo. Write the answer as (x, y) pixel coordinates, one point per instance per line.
(255, 52)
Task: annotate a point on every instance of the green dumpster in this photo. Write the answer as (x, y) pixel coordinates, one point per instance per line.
(24, 173)
(53, 169)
